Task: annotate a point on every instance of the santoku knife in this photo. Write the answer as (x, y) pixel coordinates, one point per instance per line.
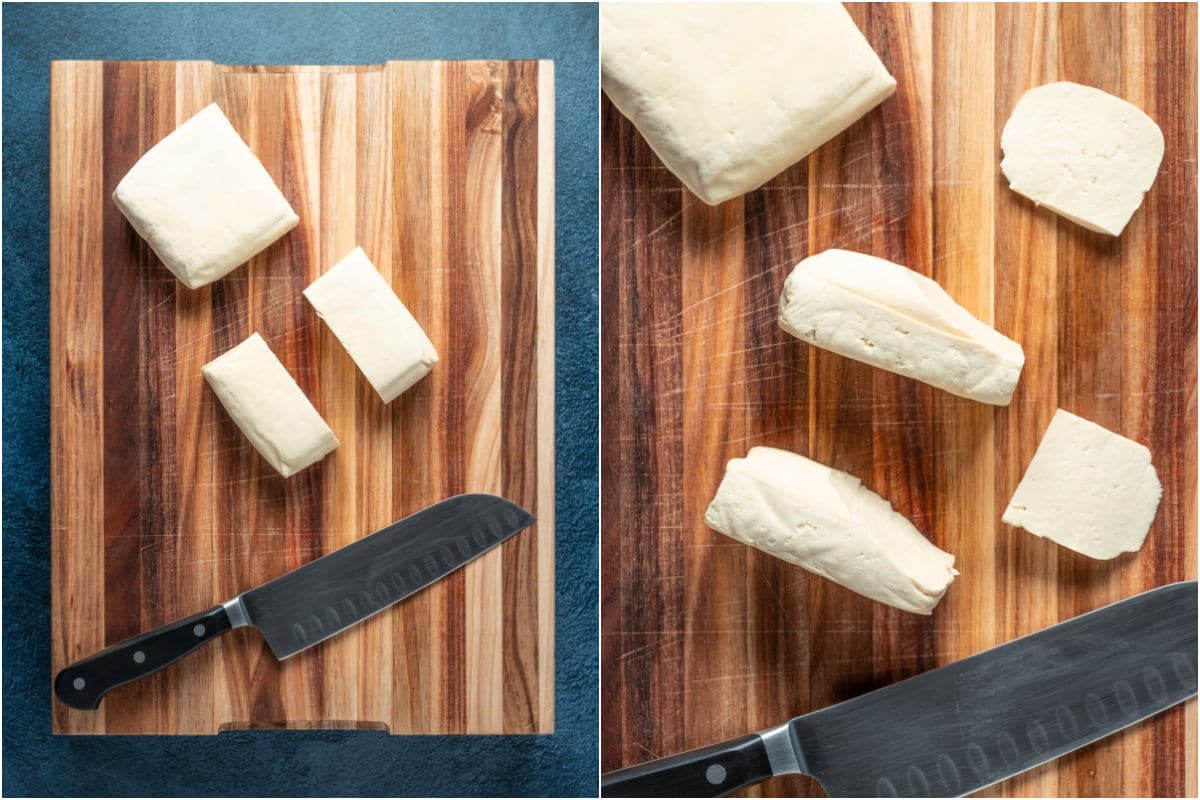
(318, 600)
(954, 730)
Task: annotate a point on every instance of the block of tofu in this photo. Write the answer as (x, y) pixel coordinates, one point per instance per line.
(1088, 489)
(891, 317)
(202, 201)
(269, 406)
(377, 330)
(1083, 153)
(731, 94)
(827, 522)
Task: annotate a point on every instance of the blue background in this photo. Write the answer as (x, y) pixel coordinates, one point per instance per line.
(291, 762)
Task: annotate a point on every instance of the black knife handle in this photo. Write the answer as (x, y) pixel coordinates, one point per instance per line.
(712, 771)
(82, 684)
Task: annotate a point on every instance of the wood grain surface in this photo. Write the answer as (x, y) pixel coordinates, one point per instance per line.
(443, 172)
(703, 638)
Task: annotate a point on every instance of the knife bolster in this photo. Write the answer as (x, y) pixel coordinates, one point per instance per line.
(783, 750)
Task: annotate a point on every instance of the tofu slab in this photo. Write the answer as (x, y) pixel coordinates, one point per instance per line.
(731, 94)
(891, 317)
(827, 522)
(1083, 153)
(1088, 489)
(202, 201)
(269, 407)
(377, 330)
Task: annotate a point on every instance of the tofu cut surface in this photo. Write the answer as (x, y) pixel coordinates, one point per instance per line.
(1088, 489)
(1083, 153)
(891, 317)
(827, 522)
(202, 201)
(377, 330)
(269, 406)
(731, 94)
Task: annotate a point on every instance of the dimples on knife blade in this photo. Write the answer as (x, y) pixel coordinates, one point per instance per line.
(973, 723)
(320, 599)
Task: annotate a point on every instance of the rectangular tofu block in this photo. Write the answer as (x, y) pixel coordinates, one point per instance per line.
(202, 201)
(1082, 153)
(269, 406)
(731, 94)
(1088, 489)
(377, 330)
(891, 317)
(827, 522)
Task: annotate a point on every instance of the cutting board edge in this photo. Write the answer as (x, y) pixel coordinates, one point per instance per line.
(545, 446)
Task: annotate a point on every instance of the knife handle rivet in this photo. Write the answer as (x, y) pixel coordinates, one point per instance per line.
(139, 657)
(198, 630)
(715, 774)
(79, 683)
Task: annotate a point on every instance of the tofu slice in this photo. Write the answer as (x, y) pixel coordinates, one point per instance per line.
(827, 522)
(377, 330)
(890, 317)
(269, 406)
(202, 201)
(1083, 153)
(1088, 489)
(731, 94)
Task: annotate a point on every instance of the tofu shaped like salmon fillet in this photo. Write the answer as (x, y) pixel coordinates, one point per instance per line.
(827, 522)
(891, 317)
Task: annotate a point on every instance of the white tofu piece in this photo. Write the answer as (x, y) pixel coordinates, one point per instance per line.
(377, 330)
(888, 316)
(731, 94)
(202, 201)
(269, 406)
(827, 522)
(1082, 153)
(1088, 489)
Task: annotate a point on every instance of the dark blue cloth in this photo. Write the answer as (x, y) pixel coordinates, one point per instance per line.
(292, 762)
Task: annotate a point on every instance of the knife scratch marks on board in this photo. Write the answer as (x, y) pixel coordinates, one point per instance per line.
(672, 638)
(648, 237)
(792, 626)
(783, 343)
(659, 228)
(650, 755)
(663, 341)
(170, 357)
(861, 156)
(736, 678)
(306, 555)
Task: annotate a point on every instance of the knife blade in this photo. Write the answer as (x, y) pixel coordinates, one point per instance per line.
(317, 600)
(959, 728)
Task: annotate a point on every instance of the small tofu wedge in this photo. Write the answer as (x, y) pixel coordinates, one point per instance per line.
(890, 317)
(377, 330)
(202, 201)
(1082, 153)
(1088, 489)
(269, 407)
(827, 522)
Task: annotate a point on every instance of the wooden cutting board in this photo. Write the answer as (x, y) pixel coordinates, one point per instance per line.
(704, 638)
(443, 172)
